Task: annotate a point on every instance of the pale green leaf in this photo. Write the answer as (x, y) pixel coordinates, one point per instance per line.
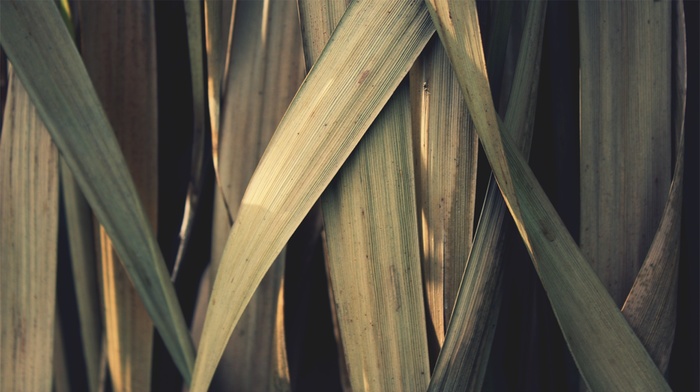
(462, 361)
(36, 40)
(81, 245)
(361, 66)
(608, 354)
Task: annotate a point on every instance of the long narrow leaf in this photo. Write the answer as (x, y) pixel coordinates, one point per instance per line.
(219, 21)
(129, 98)
(650, 306)
(342, 95)
(28, 245)
(61, 382)
(625, 134)
(81, 245)
(446, 152)
(193, 13)
(264, 75)
(607, 352)
(373, 257)
(462, 361)
(48, 63)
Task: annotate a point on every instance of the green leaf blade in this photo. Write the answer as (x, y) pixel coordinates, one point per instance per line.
(334, 107)
(28, 245)
(36, 40)
(608, 354)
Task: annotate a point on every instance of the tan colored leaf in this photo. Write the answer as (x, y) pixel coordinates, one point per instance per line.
(28, 245)
(219, 18)
(264, 75)
(608, 354)
(334, 107)
(193, 15)
(625, 134)
(319, 19)
(446, 150)
(373, 257)
(36, 40)
(462, 361)
(124, 76)
(650, 306)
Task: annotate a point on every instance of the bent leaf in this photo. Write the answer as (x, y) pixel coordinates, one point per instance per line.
(650, 306)
(36, 40)
(625, 134)
(606, 350)
(462, 361)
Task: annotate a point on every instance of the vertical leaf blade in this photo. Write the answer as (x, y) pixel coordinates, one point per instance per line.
(447, 150)
(651, 304)
(28, 245)
(124, 76)
(625, 134)
(373, 257)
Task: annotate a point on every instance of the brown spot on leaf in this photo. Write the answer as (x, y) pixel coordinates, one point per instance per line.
(363, 76)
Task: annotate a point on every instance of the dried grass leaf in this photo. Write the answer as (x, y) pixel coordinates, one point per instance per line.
(463, 359)
(373, 257)
(360, 67)
(28, 245)
(47, 61)
(608, 354)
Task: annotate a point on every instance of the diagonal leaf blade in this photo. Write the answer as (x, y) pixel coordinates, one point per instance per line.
(335, 105)
(375, 276)
(28, 245)
(606, 350)
(35, 39)
(462, 364)
(446, 151)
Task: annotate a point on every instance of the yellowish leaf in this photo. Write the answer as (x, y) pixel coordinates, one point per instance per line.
(361, 66)
(606, 350)
(48, 63)
(28, 245)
